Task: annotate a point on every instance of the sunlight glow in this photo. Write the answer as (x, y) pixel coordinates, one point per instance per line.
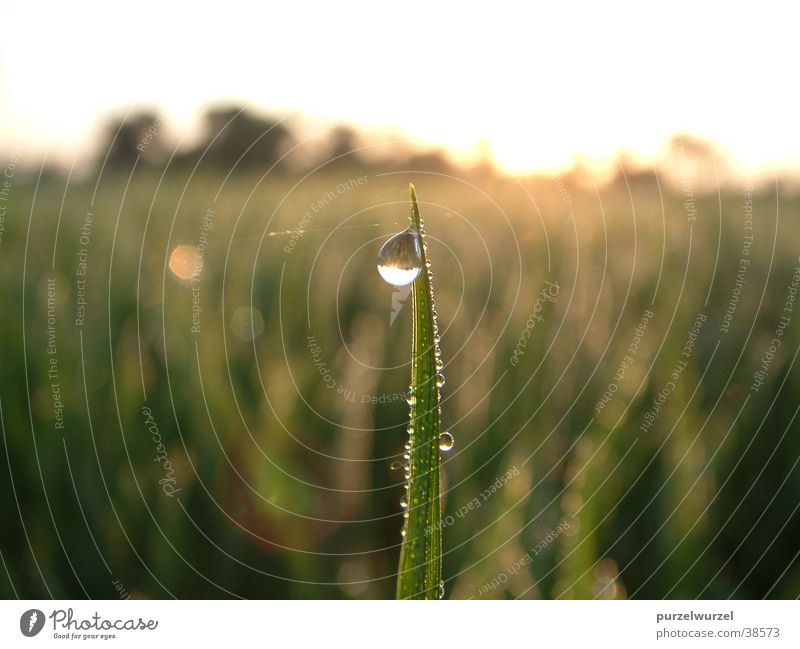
(540, 84)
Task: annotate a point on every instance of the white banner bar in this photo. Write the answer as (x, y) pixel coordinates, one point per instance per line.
(401, 625)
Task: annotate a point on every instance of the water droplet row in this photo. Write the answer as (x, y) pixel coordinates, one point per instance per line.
(399, 264)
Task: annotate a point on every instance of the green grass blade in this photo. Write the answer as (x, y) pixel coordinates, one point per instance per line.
(420, 570)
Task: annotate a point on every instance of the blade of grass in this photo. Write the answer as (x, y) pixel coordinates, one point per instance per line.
(420, 570)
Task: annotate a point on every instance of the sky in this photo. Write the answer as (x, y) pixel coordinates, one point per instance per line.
(540, 83)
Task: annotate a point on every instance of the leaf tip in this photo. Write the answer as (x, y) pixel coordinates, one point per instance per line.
(416, 221)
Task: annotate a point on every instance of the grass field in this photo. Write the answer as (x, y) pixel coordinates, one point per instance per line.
(620, 385)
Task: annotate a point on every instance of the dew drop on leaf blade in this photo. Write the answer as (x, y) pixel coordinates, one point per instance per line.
(400, 258)
(446, 442)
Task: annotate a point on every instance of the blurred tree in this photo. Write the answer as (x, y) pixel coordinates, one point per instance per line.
(343, 144)
(237, 138)
(434, 161)
(694, 163)
(130, 138)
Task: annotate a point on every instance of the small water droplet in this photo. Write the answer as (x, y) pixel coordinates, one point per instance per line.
(441, 590)
(411, 399)
(400, 258)
(439, 380)
(439, 363)
(446, 442)
(404, 503)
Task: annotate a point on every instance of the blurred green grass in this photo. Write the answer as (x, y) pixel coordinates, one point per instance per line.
(285, 484)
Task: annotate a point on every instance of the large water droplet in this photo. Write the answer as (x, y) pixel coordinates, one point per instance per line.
(441, 590)
(400, 258)
(445, 442)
